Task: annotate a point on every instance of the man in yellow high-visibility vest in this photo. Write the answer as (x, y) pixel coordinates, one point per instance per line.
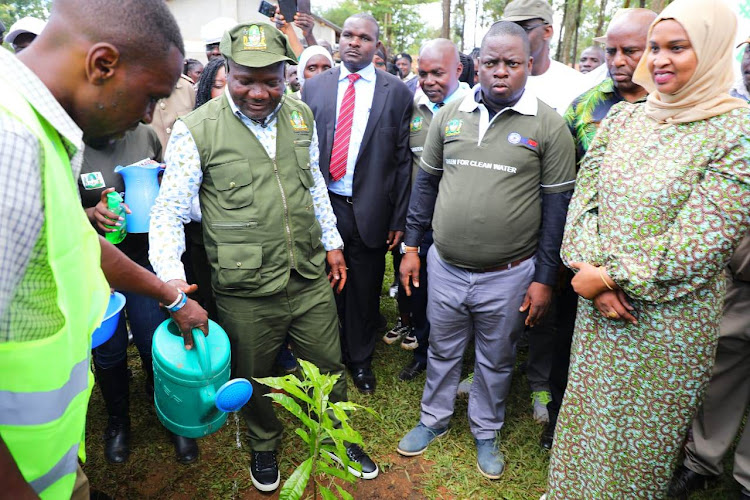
(96, 71)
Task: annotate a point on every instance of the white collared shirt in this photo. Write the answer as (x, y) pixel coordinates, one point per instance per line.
(364, 92)
(423, 100)
(526, 105)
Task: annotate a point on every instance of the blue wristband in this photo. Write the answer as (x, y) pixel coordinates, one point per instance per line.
(180, 304)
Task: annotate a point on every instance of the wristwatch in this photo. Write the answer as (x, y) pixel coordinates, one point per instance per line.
(405, 249)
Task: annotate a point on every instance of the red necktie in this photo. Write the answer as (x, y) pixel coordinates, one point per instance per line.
(343, 131)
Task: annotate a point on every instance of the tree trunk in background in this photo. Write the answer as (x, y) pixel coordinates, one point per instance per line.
(559, 51)
(642, 4)
(445, 32)
(569, 30)
(626, 5)
(658, 5)
(600, 22)
(574, 54)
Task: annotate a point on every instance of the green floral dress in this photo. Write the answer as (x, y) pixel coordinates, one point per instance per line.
(662, 207)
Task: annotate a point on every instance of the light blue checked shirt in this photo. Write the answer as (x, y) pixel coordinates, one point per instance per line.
(178, 201)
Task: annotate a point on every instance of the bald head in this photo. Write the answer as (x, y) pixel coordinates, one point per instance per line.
(635, 21)
(438, 69)
(625, 44)
(142, 30)
(108, 62)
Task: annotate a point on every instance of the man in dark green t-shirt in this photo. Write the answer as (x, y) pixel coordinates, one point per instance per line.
(504, 163)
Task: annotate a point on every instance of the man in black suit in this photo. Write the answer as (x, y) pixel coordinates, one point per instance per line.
(362, 120)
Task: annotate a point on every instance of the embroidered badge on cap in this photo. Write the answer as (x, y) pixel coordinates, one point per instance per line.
(92, 180)
(416, 124)
(453, 127)
(298, 123)
(254, 38)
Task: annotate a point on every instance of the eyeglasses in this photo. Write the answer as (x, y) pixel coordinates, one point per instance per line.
(532, 27)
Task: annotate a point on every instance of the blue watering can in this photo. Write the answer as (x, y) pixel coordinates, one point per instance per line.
(141, 189)
(192, 390)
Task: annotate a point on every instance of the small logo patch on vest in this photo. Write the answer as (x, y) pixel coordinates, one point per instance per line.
(298, 123)
(254, 38)
(92, 180)
(416, 124)
(453, 127)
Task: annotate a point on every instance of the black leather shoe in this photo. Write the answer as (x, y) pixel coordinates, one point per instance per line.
(357, 455)
(364, 380)
(117, 440)
(411, 370)
(685, 481)
(264, 470)
(548, 435)
(185, 448)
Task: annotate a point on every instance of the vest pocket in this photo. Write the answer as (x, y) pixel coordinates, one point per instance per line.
(233, 182)
(303, 160)
(239, 265)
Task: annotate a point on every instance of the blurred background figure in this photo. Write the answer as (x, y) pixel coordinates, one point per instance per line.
(292, 81)
(379, 60)
(23, 32)
(403, 62)
(2, 31)
(591, 58)
(212, 32)
(192, 68)
(314, 60)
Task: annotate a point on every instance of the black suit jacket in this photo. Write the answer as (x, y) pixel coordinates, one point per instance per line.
(383, 170)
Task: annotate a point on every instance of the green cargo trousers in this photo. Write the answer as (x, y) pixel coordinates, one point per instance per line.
(257, 328)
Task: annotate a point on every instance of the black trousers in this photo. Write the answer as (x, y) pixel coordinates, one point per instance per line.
(565, 306)
(359, 303)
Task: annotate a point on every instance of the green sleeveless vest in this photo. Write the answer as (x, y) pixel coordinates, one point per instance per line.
(45, 384)
(258, 215)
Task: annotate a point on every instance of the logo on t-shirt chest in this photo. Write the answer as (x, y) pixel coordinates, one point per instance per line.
(453, 127)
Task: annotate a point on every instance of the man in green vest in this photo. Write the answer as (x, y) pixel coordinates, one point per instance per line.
(250, 157)
(95, 71)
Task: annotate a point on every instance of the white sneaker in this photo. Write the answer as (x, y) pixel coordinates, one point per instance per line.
(396, 333)
(539, 401)
(410, 341)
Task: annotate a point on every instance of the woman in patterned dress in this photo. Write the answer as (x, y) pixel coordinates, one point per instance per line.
(661, 202)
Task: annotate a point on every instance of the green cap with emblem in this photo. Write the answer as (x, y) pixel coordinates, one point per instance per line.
(523, 10)
(256, 45)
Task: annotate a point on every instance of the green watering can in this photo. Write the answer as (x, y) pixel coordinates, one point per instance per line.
(192, 390)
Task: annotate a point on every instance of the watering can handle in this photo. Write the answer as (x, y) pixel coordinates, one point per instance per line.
(201, 350)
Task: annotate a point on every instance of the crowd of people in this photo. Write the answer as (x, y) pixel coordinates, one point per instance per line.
(602, 214)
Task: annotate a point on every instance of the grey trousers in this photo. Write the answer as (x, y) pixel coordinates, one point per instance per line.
(461, 304)
(728, 394)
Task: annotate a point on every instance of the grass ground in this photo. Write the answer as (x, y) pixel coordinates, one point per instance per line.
(447, 470)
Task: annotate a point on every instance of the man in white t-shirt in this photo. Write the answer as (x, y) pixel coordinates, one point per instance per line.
(554, 83)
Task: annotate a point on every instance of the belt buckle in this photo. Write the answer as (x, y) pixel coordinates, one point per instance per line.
(349, 200)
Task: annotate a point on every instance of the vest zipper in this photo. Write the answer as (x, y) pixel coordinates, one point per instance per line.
(286, 216)
(234, 225)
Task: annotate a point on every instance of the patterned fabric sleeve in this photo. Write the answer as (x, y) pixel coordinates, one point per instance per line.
(172, 208)
(581, 241)
(700, 240)
(323, 210)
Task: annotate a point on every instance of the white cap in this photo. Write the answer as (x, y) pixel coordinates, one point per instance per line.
(212, 31)
(25, 25)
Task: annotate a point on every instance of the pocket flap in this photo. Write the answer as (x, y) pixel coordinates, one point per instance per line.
(241, 256)
(303, 157)
(231, 175)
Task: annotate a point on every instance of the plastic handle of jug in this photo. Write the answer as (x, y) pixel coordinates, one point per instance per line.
(119, 168)
(161, 168)
(201, 350)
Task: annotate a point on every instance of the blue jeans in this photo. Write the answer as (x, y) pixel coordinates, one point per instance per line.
(144, 316)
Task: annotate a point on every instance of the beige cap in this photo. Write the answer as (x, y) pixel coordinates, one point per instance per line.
(523, 10)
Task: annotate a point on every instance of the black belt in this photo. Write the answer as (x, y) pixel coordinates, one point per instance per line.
(347, 199)
(502, 267)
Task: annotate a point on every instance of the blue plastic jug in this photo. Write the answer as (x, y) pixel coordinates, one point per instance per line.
(141, 189)
(192, 390)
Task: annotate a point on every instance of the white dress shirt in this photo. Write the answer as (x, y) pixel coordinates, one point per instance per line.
(364, 89)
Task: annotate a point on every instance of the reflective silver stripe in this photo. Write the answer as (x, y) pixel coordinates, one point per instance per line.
(35, 408)
(66, 465)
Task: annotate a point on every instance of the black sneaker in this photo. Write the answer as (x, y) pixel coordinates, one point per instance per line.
(357, 455)
(264, 471)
